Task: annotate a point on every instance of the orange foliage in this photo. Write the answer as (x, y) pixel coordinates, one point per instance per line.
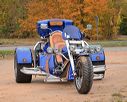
(101, 9)
(81, 13)
(96, 6)
(39, 10)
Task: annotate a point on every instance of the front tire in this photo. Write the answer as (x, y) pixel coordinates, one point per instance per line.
(84, 78)
(19, 76)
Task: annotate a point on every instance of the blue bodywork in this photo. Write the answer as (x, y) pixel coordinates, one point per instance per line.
(52, 65)
(51, 62)
(98, 54)
(42, 61)
(70, 74)
(45, 32)
(23, 55)
(72, 32)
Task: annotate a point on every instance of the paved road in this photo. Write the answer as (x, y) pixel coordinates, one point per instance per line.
(106, 48)
(11, 47)
(113, 88)
(116, 49)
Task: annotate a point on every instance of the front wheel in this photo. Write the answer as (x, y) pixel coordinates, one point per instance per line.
(84, 78)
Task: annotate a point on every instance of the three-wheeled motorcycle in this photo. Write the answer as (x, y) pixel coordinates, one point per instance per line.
(61, 55)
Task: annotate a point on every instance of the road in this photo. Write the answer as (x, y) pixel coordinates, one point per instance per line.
(3, 47)
(113, 88)
(11, 47)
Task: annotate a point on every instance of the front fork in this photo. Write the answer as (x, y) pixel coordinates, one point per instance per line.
(71, 58)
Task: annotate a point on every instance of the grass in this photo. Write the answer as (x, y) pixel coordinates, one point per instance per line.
(115, 43)
(4, 53)
(111, 43)
(117, 97)
(18, 41)
(122, 37)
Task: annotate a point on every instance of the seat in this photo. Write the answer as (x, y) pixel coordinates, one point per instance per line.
(56, 41)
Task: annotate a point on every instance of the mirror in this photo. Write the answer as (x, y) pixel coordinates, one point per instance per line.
(44, 26)
(89, 27)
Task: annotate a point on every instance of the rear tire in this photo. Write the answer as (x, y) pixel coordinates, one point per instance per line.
(84, 78)
(19, 76)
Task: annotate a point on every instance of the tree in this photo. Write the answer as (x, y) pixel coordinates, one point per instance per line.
(39, 10)
(105, 12)
(82, 12)
(10, 12)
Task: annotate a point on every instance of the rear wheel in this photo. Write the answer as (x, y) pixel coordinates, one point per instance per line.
(84, 78)
(19, 76)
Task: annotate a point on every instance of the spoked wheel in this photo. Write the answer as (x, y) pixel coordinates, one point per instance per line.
(84, 78)
(19, 76)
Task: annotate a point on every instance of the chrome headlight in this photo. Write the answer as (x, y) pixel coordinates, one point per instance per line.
(72, 48)
(43, 26)
(50, 50)
(86, 49)
(56, 50)
(92, 49)
(98, 48)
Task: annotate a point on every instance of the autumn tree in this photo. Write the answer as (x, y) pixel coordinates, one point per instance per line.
(18, 17)
(105, 12)
(41, 9)
(10, 12)
(82, 12)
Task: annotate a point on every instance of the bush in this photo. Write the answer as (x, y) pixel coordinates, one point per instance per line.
(123, 26)
(11, 11)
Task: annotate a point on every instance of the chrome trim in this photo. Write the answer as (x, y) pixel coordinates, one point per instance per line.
(33, 71)
(86, 43)
(37, 71)
(52, 78)
(39, 42)
(77, 51)
(98, 76)
(99, 68)
(70, 57)
(63, 56)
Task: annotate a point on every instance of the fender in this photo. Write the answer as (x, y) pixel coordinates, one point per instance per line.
(23, 55)
(100, 55)
(70, 74)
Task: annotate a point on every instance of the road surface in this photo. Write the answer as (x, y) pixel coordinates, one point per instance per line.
(111, 89)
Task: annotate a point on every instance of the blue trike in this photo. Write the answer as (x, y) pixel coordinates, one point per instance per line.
(61, 55)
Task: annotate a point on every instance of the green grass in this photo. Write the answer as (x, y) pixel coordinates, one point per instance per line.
(4, 53)
(115, 43)
(111, 43)
(18, 41)
(117, 97)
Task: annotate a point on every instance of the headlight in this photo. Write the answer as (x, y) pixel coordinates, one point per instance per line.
(86, 49)
(92, 49)
(50, 50)
(98, 48)
(56, 50)
(72, 48)
(43, 26)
